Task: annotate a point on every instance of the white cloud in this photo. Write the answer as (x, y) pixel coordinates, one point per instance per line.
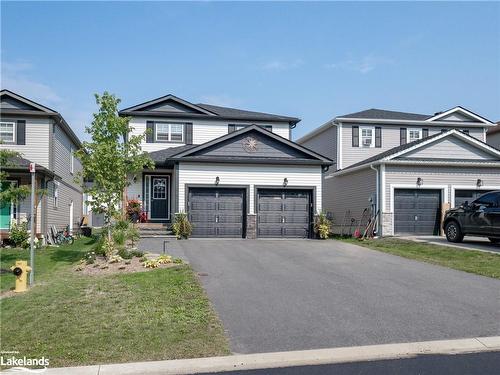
(363, 66)
(280, 65)
(16, 77)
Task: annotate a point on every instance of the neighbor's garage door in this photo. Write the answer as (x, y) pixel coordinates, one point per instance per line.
(467, 195)
(283, 213)
(417, 211)
(216, 212)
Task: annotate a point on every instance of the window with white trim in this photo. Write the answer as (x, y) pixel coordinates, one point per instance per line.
(414, 134)
(7, 131)
(367, 136)
(168, 132)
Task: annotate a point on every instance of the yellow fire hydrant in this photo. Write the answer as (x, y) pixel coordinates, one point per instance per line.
(21, 270)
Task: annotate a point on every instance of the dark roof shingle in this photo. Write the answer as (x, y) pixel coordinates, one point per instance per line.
(243, 114)
(375, 113)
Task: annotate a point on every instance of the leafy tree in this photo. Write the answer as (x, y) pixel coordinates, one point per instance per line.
(11, 193)
(111, 156)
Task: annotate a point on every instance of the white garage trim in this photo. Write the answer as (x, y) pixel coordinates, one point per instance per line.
(443, 188)
(468, 187)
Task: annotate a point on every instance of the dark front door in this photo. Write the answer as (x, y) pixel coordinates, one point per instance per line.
(217, 212)
(159, 198)
(417, 211)
(283, 213)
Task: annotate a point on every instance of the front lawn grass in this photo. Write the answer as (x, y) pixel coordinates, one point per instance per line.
(481, 263)
(74, 319)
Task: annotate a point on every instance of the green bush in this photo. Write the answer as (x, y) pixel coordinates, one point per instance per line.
(121, 224)
(322, 226)
(19, 235)
(119, 236)
(137, 253)
(125, 254)
(181, 227)
(99, 248)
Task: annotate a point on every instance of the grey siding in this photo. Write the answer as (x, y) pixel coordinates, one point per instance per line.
(350, 192)
(60, 215)
(450, 148)
(390, 139)
(324, 143)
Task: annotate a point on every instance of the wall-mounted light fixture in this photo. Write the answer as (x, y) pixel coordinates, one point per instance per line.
(285, 182)
(217, 180)
(420, 181)
(479, 183)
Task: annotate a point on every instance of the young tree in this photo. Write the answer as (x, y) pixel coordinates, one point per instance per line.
(10, 193)
(111, 156)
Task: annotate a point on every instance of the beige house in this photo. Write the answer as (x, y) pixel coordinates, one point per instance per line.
(407, 167)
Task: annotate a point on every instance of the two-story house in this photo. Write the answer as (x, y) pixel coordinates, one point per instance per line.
(407, 167)
(493, 136)
(235, 172)
(43, 137)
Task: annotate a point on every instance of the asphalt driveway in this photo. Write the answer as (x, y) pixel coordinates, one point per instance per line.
(278, 295)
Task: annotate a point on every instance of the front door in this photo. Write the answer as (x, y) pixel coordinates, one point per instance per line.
(159, 198)
(5, 208)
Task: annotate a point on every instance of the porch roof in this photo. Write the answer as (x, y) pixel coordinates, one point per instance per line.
(20, 165)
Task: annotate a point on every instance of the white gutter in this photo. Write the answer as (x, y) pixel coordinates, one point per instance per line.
(415, 122)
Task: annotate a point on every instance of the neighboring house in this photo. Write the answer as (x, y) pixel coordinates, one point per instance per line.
(236, 173)
(409, 167)
(493, 136)
(42, 136)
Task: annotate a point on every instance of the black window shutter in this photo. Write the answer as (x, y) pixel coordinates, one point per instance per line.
(355, 136)
(21, 132)
(425, 133)
(150, 135)
(378, 136)
(231, 128)
(402, 136)
(188, 133)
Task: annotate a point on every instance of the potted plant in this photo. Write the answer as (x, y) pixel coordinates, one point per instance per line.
(134, 210)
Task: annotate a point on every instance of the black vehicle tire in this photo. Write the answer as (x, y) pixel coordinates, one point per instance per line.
(494, 240)
(453, 232)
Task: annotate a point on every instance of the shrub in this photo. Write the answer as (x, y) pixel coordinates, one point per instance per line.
(164, 259)
(137, 253)
(19, 235)
(181, 227)
(177, 261)
(119, 236)
(134, 210)
(90, 257)
(153, 263)
(322, 226)
(143, 259)
(115, 259)
(125, 254)
(99, 247)
(121, 224)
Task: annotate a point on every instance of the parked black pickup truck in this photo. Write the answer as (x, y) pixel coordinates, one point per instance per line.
(478, 218)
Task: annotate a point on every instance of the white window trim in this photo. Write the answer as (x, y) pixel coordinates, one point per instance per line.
(360, 136)
(71, 160)
(14, 131)
(169, 132)
(408, 130)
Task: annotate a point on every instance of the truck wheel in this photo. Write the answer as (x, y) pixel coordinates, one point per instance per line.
(494, 240)
(453, 232)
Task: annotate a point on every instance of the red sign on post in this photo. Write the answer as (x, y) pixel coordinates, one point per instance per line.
(32, 167)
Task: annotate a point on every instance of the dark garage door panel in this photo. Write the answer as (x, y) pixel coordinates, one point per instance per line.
(417, 211)
(216, 212)
(283, 213)
(467, 195)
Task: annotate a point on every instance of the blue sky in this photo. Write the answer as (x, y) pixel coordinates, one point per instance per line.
(310, 60)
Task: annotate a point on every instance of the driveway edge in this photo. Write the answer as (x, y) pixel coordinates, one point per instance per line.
(289, 359)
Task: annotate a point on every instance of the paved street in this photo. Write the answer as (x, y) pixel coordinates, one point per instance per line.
(465, 364)
(279, 295)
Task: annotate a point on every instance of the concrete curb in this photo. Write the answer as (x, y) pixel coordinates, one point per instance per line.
(289, 359)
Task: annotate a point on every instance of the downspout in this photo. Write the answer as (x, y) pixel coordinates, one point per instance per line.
(377, 197)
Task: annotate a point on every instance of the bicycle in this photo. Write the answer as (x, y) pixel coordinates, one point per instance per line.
(64, 237)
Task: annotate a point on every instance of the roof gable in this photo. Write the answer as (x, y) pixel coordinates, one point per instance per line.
(169, 104)
(458, 114)
(11, 102)
(252, 143)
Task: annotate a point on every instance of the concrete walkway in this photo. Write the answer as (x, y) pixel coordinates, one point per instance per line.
(469, 243)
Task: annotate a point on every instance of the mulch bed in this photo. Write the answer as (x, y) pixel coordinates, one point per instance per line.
(101, 267)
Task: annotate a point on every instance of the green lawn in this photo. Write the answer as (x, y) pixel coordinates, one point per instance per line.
(78, 320)
(481, 263)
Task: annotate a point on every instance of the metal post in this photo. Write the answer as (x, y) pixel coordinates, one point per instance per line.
(32, 224)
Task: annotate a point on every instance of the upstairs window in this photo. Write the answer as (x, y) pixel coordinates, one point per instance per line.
(168, 132)
(7, 131)
(367, 136)
(414, 135)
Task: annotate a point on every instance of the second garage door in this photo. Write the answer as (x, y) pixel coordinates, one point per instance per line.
(283, 213)
(217, 212)
(467, 195)
(417, 211)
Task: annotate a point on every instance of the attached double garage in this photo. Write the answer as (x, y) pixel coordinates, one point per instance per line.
(249, 201)
(417, 197)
